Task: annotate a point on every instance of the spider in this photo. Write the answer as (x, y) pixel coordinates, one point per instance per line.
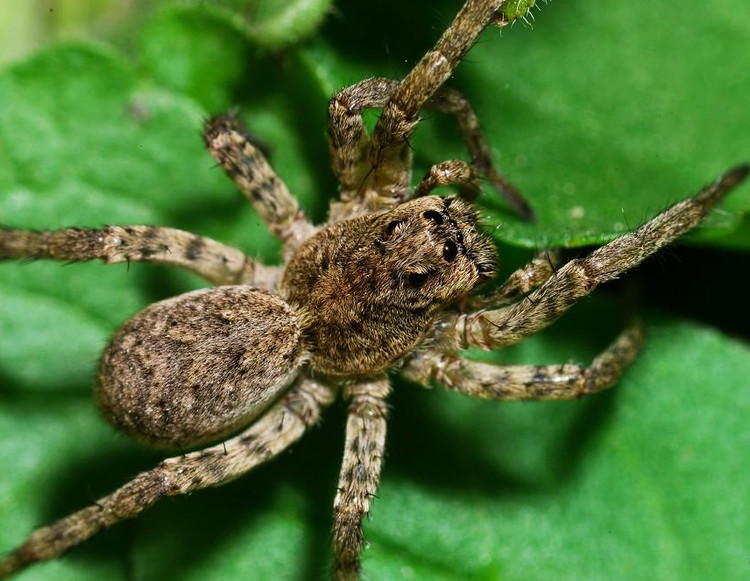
(386, 284)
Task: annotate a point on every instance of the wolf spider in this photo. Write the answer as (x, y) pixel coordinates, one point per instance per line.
(386, 284)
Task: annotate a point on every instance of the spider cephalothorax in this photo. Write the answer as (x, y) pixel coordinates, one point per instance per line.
(385, 285)
(371, 285)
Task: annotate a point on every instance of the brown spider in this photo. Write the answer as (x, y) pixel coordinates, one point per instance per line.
(385, 284)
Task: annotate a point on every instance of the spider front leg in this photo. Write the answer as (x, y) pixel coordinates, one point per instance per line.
(360, 473)
(348, 144)
(347, 134)
(348, 147)
(401, 114)
(376, 174)
(230, 144)
(451, 101)
(278, 428)
(580, 277)
(528, 382)
(467, 176)
(215, 262)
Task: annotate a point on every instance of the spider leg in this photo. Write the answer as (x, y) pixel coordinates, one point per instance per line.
(215, 262)
(281, 425)
(360, 473)
(400, 115)
(528, 382)
(519, 284)
(579, 277)
(347, 134)
(447, 100)
(230, 144)
(348, 147)
(450, 172)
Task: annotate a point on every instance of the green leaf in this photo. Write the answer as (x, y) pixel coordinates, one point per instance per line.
(273, 24)
(602, 116)
(644, 482)
(181, 46)
(602, 139)
(84, 144)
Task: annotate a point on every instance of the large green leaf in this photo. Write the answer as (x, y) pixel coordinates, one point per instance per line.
(602, 115)
(593, 110)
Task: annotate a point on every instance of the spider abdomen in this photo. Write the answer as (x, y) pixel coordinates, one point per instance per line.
(197, 367)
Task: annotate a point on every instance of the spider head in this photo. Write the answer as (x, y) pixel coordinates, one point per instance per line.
(371, 285)
(431, 251)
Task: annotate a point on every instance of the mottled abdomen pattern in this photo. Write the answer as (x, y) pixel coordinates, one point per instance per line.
(195, 368)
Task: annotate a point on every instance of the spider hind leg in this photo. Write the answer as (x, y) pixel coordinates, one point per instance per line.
(275, 431)
(528, 382)
(360, 473)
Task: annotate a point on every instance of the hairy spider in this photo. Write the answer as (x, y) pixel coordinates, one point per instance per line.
(387, 283)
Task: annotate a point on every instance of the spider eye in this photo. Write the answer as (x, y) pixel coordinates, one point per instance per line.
(391, 228)
(433, 216)
(417, 279)
(450, 250)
